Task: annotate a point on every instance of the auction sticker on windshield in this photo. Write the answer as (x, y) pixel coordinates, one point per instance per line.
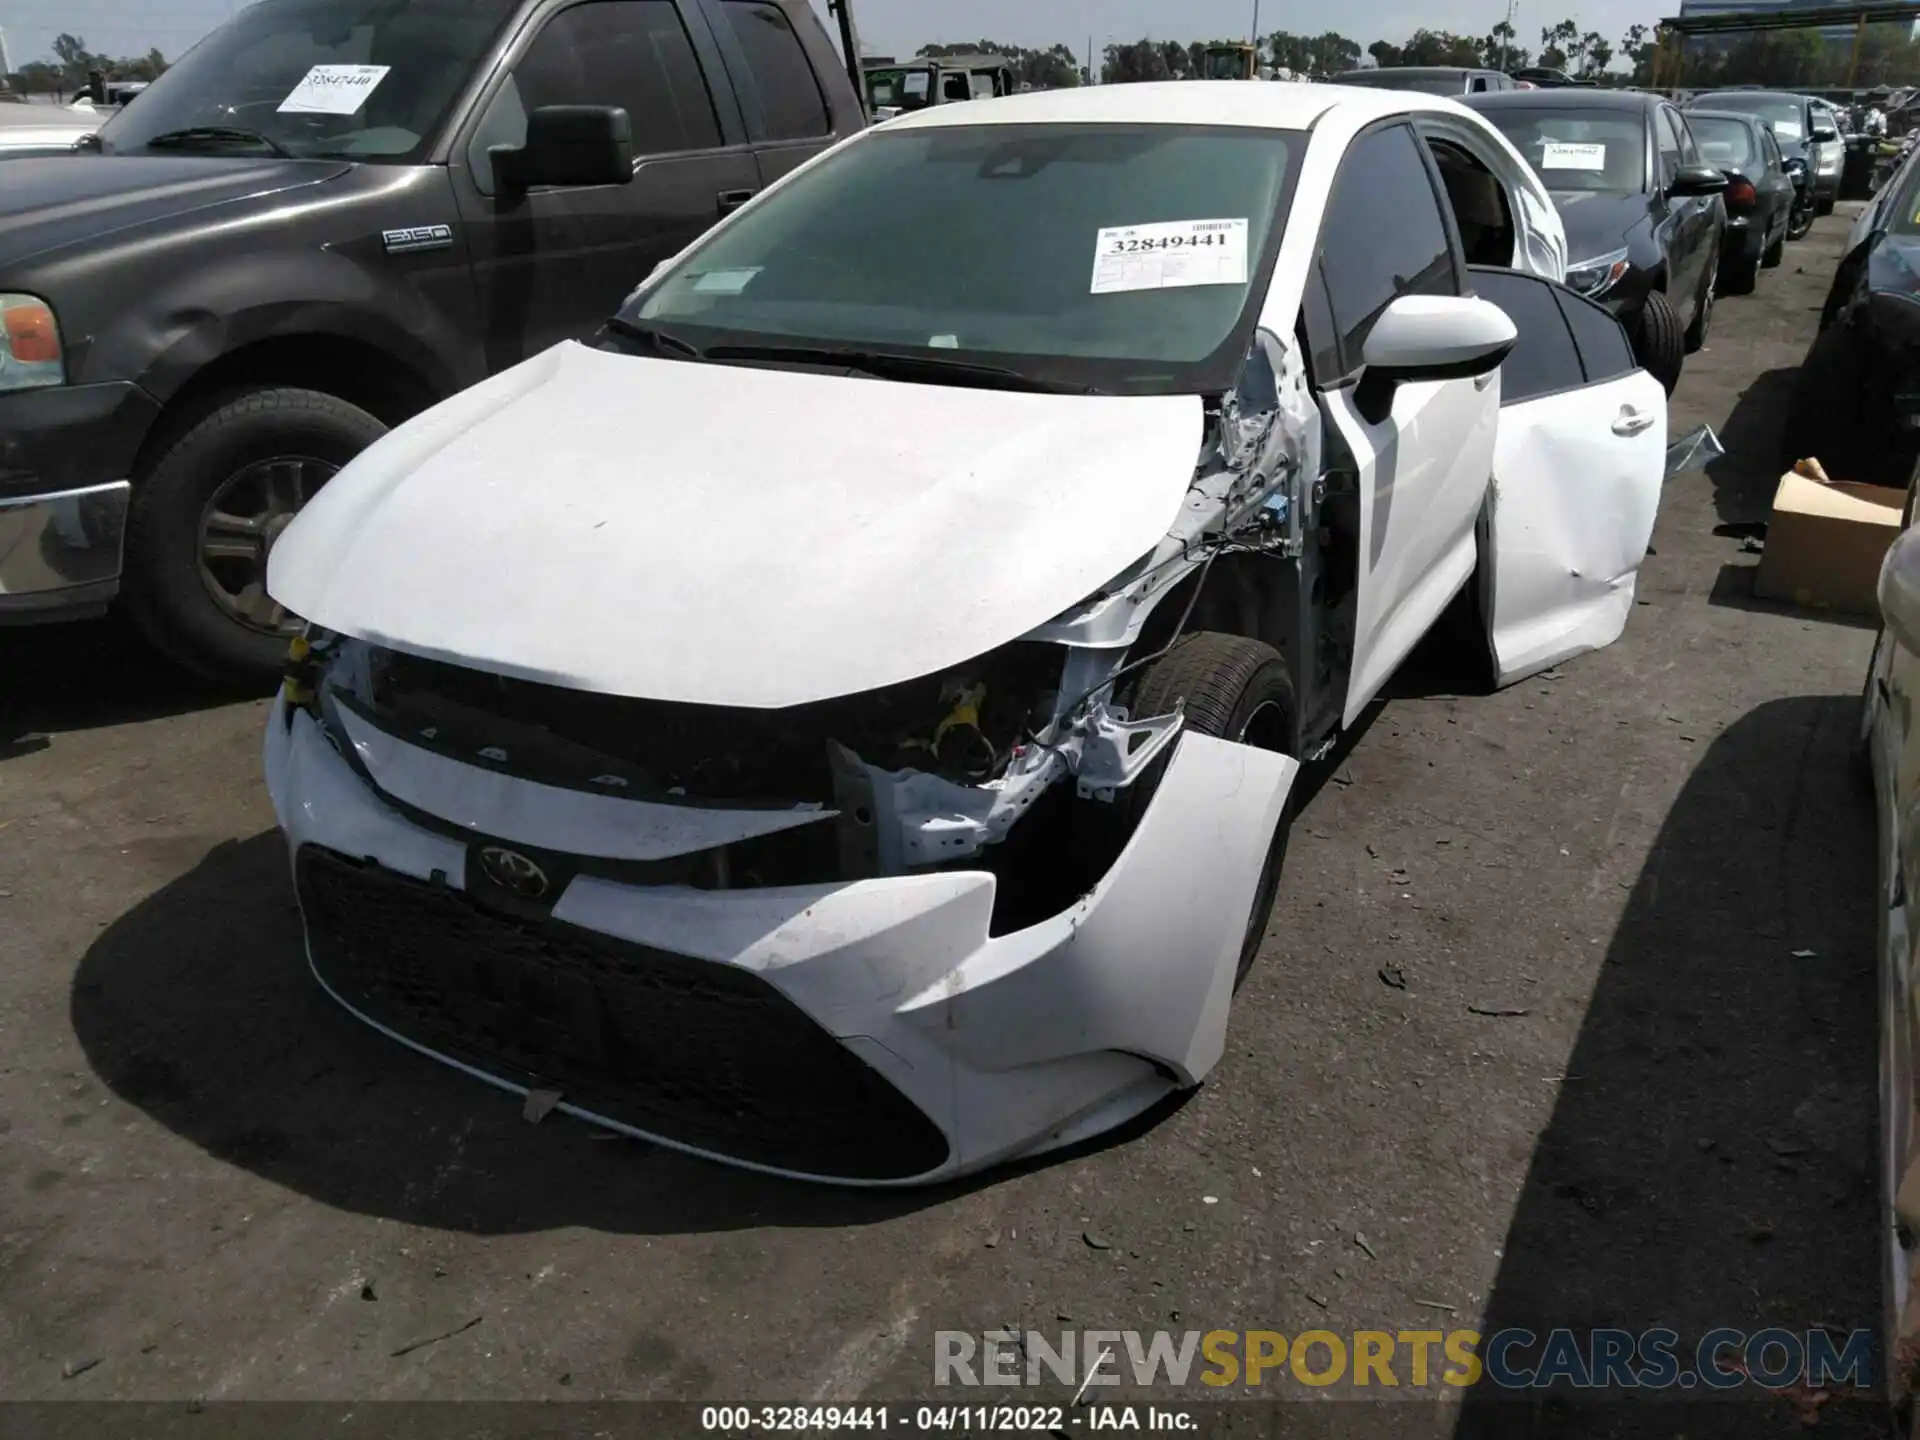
(1564, 155)
(1169, 255)
(334, 90)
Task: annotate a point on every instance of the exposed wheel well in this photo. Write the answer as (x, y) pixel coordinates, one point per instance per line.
(361, 374)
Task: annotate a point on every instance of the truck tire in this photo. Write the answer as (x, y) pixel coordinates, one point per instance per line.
(205, 513)
(1658, 343)
(1236, 689)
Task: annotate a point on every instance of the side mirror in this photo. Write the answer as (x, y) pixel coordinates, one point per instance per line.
(1691, 180)
(1821, 134)
(1900, 590)
(572, 145)
(1429, 337)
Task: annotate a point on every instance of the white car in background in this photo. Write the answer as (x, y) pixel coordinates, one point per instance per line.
(842, 721)
(29, 129)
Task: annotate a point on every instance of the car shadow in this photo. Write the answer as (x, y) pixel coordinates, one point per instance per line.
(1711, 1159)
(86, 675)
(1745, 478)
(1733, 590)
(197, 1007)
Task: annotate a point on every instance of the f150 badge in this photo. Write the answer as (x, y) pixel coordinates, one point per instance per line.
(418, 237)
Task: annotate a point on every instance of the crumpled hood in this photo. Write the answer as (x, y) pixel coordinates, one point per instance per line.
(1597, 221)
(57, 200)
(726, 535)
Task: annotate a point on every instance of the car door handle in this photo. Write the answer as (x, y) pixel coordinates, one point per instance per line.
(1631, 422)
(732, 200)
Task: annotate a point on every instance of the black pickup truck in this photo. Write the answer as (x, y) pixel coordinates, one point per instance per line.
(328, 216)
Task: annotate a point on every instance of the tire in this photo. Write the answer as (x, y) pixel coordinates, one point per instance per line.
(1799, 222)
(1703, 304)
(1238, 689)
(1830, 422)
(274, 442)
(1740, 275)
(1777, 251)
(1658, 343)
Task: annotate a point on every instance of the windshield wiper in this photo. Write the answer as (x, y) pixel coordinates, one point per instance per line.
(214, 135)
(654, 337)
(887, 366)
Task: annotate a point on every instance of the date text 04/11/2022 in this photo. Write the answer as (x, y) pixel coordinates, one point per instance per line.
(940, 1419)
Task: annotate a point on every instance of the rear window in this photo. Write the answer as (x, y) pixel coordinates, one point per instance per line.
(1783, 114)
(1726, 144)
(1578, 149)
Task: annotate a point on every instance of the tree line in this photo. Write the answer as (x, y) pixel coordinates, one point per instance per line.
(1888, 56)
(66, 74)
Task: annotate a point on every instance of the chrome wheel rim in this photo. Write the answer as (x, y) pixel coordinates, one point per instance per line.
(242, 521)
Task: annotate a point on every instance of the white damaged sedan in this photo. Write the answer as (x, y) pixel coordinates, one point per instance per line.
(842, 720)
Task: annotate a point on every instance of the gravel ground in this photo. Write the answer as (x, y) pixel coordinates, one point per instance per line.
(218, 1186)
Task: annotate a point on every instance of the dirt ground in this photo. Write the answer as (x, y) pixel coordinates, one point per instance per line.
(216, 1185)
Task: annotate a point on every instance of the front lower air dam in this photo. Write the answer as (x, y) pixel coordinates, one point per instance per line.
(865, 1033)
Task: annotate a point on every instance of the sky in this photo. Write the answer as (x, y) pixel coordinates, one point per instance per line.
(899, 27)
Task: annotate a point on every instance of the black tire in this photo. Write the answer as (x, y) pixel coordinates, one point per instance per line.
(1237, 689)
(1799, 222)
(1658, 343)
(1832, 419)
(1703, 304)
(166, 589)
(1777, 251)
(1740, 274)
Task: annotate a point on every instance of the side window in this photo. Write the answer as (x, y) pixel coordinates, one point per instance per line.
(956, 86)
(631, 53)
(1543, 360)
(790, 99)
(1689, 151)
(1482, 217)
(1667, 137)
(1604, 351)
(1383, 237)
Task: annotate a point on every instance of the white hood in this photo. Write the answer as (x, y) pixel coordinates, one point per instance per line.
(722, 535)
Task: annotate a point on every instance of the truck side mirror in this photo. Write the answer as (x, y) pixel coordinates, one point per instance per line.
(571, 145)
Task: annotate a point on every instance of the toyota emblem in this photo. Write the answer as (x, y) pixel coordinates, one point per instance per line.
(514, 872)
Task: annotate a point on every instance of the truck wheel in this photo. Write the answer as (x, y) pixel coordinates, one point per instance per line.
(1236, 689)
(1658, 343)
(207, 512)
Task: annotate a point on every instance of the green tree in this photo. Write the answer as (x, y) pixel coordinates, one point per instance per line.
(1291, 52)
(1384, 55)
(1594, 54)
(1556, 42)
(1502, 50)
(1637, 48)
(1141, 60)
(1331, 53)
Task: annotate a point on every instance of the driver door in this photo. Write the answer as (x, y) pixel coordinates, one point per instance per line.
(1421, 468)
(1577, 473)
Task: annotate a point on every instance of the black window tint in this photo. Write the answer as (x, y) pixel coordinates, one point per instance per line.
(1667, 137)
(1604, 351)
(1543, 359)
(1383, 237)
(1689, 152)
(630, 53)
(790, 98)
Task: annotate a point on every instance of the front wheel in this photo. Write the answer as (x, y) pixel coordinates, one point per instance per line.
(206, 514)
(1799, 222)
(1236, 689)
(1658, 342)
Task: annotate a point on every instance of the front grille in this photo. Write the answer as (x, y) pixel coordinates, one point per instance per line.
(705, 1054)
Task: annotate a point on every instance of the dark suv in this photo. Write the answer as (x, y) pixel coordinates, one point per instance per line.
(328, 216)
(1642, 210)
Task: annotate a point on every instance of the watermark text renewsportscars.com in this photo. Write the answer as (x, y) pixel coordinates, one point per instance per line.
(1375, 1361)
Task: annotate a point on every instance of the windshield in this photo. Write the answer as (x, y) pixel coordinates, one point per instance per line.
(1228, 64)
(1578, 149)
(1401, 80)
(1781, 112)
(1725, 144)
(1115, 257)
(366, 79)
(901, 89)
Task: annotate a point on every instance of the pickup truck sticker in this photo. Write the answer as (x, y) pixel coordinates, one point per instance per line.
(334, 90)
(1169, 255)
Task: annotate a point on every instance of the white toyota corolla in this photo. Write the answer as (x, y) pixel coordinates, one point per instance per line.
(841, 721)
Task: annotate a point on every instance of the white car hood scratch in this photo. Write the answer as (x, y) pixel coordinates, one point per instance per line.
(726, 535)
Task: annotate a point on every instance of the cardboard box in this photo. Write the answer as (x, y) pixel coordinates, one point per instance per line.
(1825, 543)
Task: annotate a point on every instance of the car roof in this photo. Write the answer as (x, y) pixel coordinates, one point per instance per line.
(1416, 70)
(1745, 117)
(1269, 105)
(1562, 99)
(1749, 95)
